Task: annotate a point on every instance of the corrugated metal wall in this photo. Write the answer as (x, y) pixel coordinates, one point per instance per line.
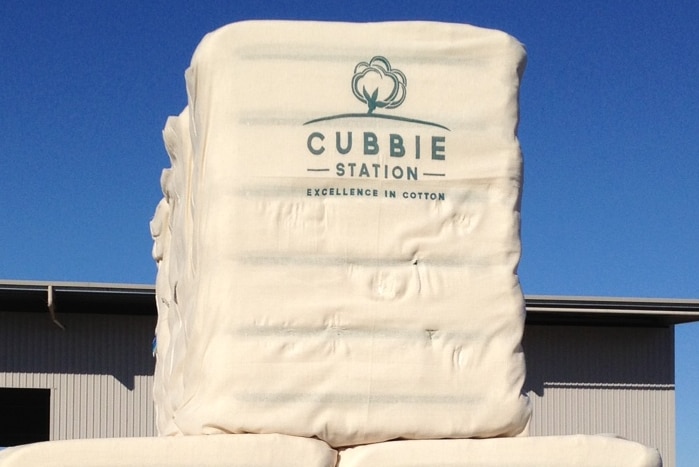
(603, 380)
(99, 370)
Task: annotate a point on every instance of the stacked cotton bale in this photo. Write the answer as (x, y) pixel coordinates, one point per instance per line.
(205, 451)
(344, 235)
(535, 451)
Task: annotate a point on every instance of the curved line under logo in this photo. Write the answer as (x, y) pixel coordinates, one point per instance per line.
(386, 117)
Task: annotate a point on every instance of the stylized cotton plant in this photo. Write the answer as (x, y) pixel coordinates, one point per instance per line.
(378, 85)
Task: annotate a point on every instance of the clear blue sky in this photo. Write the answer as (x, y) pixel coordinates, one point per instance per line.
(609, 128)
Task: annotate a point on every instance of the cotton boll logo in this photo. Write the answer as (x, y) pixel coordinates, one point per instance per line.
(378, 85)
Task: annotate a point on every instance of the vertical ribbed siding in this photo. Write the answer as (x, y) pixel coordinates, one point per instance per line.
(603, 380)
(99, 370)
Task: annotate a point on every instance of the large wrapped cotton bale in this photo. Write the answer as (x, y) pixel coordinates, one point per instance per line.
(184, 451)
(535, 451)
(344, 235)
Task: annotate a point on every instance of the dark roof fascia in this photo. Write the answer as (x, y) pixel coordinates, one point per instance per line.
(610, 311)
(88, 297)
(78, 297)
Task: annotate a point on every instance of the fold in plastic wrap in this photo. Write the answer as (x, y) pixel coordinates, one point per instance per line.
(339, 237)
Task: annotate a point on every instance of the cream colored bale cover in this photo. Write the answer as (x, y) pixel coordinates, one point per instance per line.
(171, 217)
(185, 451)
(339, 238)
(536, 451)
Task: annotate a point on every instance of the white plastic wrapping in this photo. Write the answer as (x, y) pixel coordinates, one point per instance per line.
(339, 239)
(535, 451)
(184, 451)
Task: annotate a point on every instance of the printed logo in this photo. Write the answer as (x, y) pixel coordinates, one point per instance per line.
(411, 151)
